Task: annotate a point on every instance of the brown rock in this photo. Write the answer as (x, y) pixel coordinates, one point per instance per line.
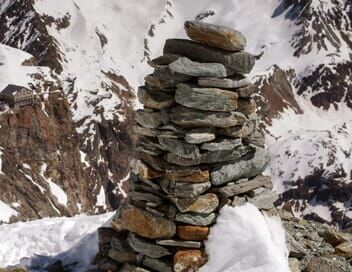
(203, 204)
(188, 260)
(344, 248)
(319, 264)
(188, 175)
(144, 223)
(146, 172)
(195, 233)
(214, 35)
(246, 105)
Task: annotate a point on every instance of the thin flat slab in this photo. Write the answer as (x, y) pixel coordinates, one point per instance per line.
(214, 35)
(226, 83)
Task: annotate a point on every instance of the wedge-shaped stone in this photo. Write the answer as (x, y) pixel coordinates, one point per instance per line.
(154, 99)
(203, 204)
(163, 60)
(240, 62)
(174, 243)
(200, 135)
(215, 35)
(144, 223)
(145, 247)
(193, 233)
(180, 148)
(174, 159)
(192, 68)
(195, 118)
(225, 155)
(188, 175)
(209, 99)
(181, 189)
(222, 144)
(241, 169)
(148, 119)
(189, 260)
(225, 83)
(196, 219)
(163, 77)
(246, 186)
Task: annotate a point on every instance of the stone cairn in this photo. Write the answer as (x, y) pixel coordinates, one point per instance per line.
(199, 149)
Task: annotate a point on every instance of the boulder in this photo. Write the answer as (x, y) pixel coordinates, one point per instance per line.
(241, 169)
(195, 233)
(147, 248)
(200, 135)
(209, 99)
(144, 223)
(225, 83)
(154, 99)
(188, 260)
(239, 62)
(214, 35)
(192, 68)
(196, 219)
(195, 118)
(203, 204)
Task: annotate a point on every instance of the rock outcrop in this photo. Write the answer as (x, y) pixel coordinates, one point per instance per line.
(199, 149)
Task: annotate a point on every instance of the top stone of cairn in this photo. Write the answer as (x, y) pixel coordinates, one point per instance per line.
(216, 36)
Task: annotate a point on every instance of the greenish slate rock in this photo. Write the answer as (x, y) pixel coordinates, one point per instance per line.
(180, 148)
(203, 204)
(200, 135)
(195, 118)
(145, 247)
(225, 155)
(226, 83)
(241, 169)
(222, 144)
(157, 264)
(154, 99)
(174, 243)
(240, 131)
(186, 66)
(183, 189)
(239, 62)
(196, 219)
(209, 99)
(163, 78)
(148, 119)
(215, 35)
(177, 160)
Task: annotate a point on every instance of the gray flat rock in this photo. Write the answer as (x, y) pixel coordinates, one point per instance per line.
(156, 264)
(196, 219)
(203, 204)
(163, 78)
(224, 155)
(180, 148)
(200, 135)
(183, 189)
(226, 83)
(174, 243)
(154, 99)
(222, 144)
(148, 119)
(145, 247)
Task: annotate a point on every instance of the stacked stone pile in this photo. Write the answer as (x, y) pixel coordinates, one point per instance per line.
(199, 148)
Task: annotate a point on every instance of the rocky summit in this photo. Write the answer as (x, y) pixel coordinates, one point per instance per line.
(197, 151)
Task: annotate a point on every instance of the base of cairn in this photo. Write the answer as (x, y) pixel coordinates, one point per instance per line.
(199, 149)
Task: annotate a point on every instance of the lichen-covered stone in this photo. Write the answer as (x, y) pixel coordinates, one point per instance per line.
(203, 204)
(188, 260)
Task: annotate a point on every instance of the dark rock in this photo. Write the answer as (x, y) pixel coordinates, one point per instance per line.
(163, 78)
(215, 35)
(181, 189)
(147, 248)
(241, 131)
(240, 62)
(163, 60)
(246, 186)
(148, 197)
(144, 223)
(200, 135)
(174, 243)
(222, 144)
(241, 169)
(132, 268)
(174, 159)
(149, 145)
(209, 99)
(196, 219)
(180, 148)
(148, 119)
(186, 66)
(225, 83)
(225, 155)
(154, 99)
(157, 264)
(203, 204)
(195, 118)
(122, 257)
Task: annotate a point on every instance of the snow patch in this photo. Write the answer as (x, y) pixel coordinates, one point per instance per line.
(6, 212)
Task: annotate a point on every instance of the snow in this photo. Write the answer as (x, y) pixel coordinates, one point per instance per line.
(6, 212)
(41, 242)
(243, 240)
(101, 201)
(55, 189)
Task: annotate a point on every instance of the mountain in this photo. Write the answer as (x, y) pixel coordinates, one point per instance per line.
(86, 59)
